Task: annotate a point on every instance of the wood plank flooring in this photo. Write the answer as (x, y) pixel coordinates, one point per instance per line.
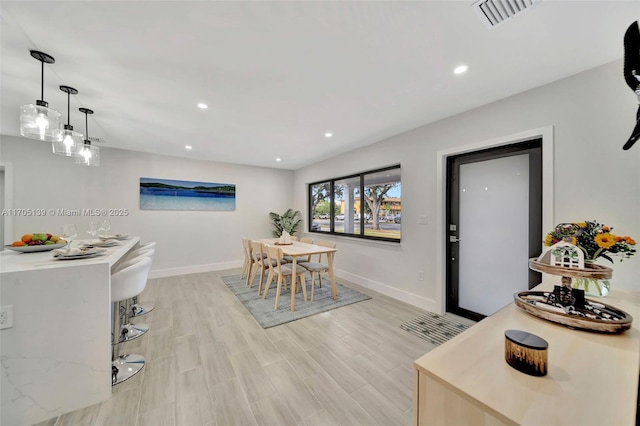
(210, 363)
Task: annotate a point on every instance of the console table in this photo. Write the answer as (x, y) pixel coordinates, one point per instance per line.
(57, 356)
(592, 377)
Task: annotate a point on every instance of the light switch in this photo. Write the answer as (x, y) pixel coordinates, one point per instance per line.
(422, 219)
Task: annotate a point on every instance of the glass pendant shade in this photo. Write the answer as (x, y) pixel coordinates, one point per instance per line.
(88, 155)
(69, 144)
(41, 123)
(70, 141)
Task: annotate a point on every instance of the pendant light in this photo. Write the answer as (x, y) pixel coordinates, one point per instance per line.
(39, 121)
(71, 141)
(87, 155)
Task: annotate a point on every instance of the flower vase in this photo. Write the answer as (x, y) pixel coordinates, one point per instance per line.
(592, 286)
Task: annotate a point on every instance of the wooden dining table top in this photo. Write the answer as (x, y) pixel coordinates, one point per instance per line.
(297, 248)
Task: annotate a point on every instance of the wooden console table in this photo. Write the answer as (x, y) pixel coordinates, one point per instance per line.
(592, 377)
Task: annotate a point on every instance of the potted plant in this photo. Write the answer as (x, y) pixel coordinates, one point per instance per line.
(289, 221)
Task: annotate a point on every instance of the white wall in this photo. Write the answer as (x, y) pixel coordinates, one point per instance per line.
(592, 115)
(187, 241)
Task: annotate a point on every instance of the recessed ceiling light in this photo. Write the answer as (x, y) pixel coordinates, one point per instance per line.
(461, 69)
(203, 106)
(188, 147)
(328, 135)
(278, 159)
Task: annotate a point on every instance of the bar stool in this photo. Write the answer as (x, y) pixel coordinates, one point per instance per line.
(125, 283)
(133, 308)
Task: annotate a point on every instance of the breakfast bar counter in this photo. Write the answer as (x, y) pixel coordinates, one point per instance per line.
(56, 357)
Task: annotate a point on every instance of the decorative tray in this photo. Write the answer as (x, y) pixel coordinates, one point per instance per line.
(594, 271)
(583, 314)
(282, 244)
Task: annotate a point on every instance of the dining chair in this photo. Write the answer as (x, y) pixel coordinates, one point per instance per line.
(248, 261)
(260, 262)
(125, 283)
(317, 268)
(306, 240)
(282, 271)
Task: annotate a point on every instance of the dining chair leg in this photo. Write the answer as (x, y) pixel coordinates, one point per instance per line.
(269, 279)
(303, 284)
(313, 284)
(253, 276)
(278, 292)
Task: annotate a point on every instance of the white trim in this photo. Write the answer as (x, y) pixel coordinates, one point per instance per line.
(393, 292)
(172, 272)
(7, 166)
(546, 133)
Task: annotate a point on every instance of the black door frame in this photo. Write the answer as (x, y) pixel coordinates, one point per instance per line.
(533, 147)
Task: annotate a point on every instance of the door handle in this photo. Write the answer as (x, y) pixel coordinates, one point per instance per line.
(454, 239)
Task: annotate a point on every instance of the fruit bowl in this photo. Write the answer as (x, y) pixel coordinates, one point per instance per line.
(33, 249)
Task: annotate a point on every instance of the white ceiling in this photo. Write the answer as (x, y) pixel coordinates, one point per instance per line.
(278, 75)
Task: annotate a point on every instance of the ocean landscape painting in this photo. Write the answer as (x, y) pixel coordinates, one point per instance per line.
(168, 194)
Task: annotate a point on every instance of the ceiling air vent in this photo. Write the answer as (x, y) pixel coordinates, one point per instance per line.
(494, 12)
(96, 140)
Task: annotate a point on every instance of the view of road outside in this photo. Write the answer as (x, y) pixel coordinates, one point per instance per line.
(381, 209)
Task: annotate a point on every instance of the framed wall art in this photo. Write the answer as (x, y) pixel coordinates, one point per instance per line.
(168, 194)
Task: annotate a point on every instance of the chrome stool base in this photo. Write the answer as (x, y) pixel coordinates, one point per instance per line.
(133, 331)
(140, 309)
(125, 367)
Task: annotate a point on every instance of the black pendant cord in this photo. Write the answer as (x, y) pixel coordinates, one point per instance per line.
(42, 81)
(86, 111)
(86, 126)
(68, 109)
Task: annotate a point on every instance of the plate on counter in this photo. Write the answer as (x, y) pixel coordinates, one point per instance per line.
(118, 237)
(34, 249)
(101, 243)
(82, 253)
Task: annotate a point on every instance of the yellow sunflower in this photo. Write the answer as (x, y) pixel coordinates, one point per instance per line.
(548, 240)
(582, 224)
(605, 240)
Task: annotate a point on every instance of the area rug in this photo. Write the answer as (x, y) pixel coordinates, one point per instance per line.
(262, 309)
(434, 328)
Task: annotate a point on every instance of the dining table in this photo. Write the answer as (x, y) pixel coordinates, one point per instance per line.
(56, 356)
(297, 249)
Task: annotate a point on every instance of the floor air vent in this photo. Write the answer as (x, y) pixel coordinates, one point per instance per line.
(494, 12)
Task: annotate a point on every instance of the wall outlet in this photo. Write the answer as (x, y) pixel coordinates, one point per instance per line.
(420, 275)
(6, 317)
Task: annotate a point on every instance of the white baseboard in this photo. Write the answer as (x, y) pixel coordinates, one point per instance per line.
(394, 293)
(171, 272)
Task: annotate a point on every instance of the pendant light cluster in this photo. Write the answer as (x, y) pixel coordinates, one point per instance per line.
(43, 123)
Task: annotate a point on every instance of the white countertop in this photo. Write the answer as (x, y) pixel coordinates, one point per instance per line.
(11, 261)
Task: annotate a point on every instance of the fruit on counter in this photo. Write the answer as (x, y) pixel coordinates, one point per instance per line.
(40, 237)
(37, 239)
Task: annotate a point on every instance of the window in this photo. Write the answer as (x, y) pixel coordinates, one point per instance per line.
(366, 205)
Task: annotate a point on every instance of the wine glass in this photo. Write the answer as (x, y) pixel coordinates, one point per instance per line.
(93, 228)
(105, 226)
(69, 232)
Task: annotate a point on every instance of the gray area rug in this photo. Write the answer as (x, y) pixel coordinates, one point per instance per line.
(434, 328)
(262, 309)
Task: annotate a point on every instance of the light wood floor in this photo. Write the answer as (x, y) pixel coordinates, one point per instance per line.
(210, 363)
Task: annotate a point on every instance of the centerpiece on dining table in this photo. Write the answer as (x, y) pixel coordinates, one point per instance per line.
(285, 225)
